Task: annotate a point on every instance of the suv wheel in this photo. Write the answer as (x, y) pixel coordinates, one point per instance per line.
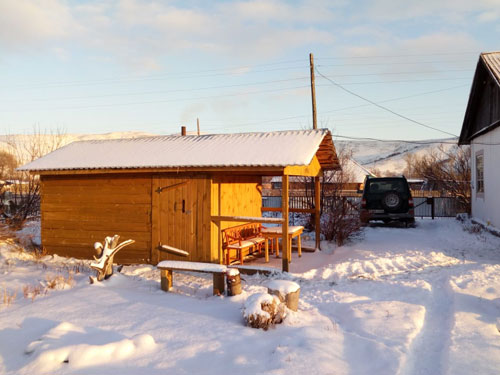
(392, 200)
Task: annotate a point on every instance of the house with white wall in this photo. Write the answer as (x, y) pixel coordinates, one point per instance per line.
(481, 130)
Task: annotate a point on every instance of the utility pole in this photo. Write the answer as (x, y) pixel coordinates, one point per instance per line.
(198, 125)
(317, 186)
(313, 91)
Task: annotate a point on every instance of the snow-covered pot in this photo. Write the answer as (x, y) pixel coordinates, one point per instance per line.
(287, 291)
(233, 281)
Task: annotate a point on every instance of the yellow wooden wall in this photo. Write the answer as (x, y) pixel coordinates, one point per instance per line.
(233, 196)
(189, 230)
(79, 210)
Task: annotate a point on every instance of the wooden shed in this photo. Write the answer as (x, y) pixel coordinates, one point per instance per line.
(178, 191)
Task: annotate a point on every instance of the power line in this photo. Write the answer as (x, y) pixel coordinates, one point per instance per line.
(412, 142)
(382, 107)
(394, 99)
(200, 74)
(403, 55)
(235, 85)
(240, 125)
(397, 140)
(408, 80)
(173, 91)
(400, 73)
(142, 79)
(386, 63)
(170, 100)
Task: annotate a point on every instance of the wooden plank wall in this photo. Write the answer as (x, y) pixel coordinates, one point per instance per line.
(189, 230)
(79, 210)
(233, 196)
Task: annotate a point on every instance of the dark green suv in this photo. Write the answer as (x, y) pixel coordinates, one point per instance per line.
(387, 199)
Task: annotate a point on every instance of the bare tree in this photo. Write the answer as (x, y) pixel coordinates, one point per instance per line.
(26, 187)
(447, 171)
(8, 164)
(340, 216)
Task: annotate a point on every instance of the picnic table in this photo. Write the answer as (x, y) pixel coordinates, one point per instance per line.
(275, 233)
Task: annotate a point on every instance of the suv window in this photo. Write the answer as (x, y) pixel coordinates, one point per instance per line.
(382, 186)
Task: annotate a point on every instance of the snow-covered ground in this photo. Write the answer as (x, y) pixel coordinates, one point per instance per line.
(423, 300)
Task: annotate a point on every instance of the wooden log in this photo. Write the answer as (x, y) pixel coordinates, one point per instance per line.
(166, 280)
(233, 281)
(173, 250)
(287, 291)
(219, 284)
(104, 265)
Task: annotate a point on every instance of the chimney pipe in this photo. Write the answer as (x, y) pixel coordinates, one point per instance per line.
(183, 130)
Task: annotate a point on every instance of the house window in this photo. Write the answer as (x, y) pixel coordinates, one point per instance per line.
(480, 173)
(276, 185)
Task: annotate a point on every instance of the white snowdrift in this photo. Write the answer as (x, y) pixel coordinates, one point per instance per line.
(67, 345)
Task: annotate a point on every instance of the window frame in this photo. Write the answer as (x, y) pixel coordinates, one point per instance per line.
(479, 175)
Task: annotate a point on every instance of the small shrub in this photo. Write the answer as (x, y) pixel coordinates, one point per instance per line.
(32, 291)
(8, 297)
(58, 281)
(473, 228)
(340, 221)
(39, 253)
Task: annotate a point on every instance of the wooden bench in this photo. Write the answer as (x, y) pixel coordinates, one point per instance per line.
(167, 267)
(243, 239)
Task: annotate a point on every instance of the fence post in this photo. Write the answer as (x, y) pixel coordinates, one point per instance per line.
(430, 200)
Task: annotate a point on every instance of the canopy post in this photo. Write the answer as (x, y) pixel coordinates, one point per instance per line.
(285, 239)
(317, 211)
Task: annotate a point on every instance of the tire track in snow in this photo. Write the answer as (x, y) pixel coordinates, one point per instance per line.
(429, 351)
(385, 267)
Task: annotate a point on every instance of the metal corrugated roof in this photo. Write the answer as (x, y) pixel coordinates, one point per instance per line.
(271, 149)
(488, 67)
(492, 61)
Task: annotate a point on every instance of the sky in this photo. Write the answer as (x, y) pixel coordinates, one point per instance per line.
(242, 66)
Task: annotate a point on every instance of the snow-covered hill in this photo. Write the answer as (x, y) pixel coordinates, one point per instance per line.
(390, 156)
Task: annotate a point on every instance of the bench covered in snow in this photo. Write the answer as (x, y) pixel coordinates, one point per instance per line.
(167, 267)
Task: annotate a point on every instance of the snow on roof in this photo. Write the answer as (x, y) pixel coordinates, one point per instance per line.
(271, 149)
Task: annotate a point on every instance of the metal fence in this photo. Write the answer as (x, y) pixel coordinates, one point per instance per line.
(443, 206)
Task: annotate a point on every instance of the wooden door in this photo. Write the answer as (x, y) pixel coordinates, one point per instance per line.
(181, 217)
(178, 215)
